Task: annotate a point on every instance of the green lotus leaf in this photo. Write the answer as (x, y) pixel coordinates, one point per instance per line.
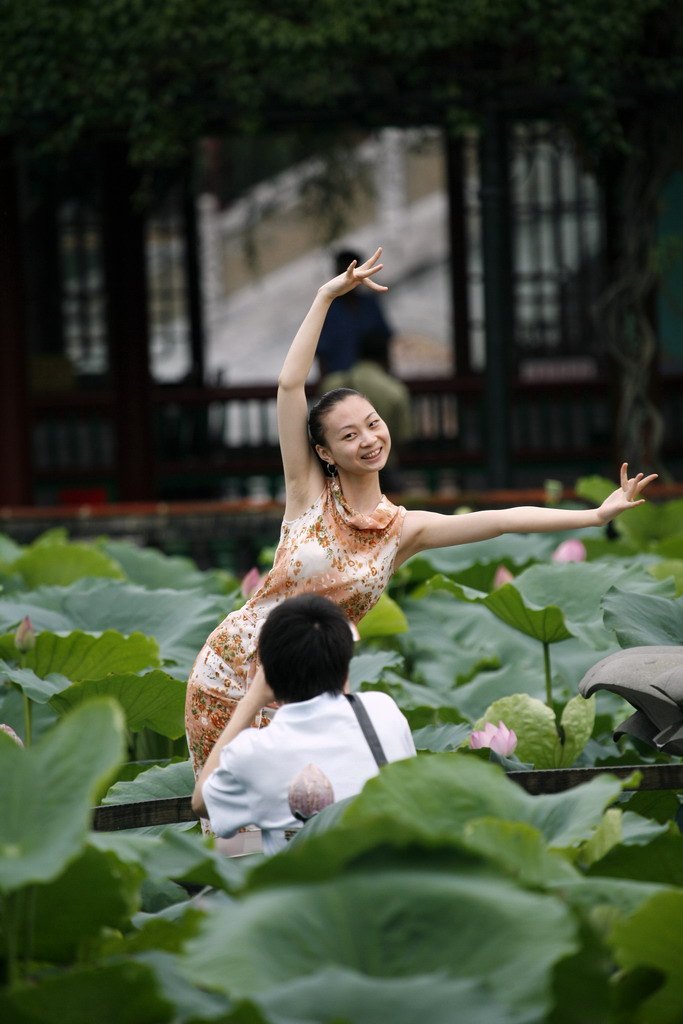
(112, 889)
(120, 993)
(473, 699)
(342, 994)
(183, 856)
(544, 624)
(157, 783)
(179, 622)
(648, 524)
(151, 701)
(83, 656)
(9, 549)
(578, 588)
(658, 860)
(519, 849)
(428, 802)
(369, 667)
(36, 688)
(672, 547)
(641, 620)
(653, 937)
(671, 568)
(48, 790)
(394, 925)
(61, 563)
(155, 570)
(438, 738)
(386, 618)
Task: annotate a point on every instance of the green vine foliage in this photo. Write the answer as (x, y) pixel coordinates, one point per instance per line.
(161, 73)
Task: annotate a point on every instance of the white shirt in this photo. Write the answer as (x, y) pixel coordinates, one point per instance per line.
(251, 784)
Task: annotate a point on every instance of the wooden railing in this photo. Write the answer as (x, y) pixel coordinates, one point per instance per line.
(222, 438)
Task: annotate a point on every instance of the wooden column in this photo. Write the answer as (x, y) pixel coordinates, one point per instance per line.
(498, 304)
(127, 325)
(16, 484)
(457, 236)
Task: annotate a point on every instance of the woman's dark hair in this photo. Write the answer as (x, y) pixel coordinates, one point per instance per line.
(318, 412)
(305, 648)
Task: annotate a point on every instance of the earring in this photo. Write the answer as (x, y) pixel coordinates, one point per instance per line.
(331, 468)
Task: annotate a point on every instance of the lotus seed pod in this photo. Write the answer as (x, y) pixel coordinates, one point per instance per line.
(309, 792)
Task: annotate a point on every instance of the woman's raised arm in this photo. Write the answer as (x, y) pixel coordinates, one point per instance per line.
(424, 530)
(302, 473)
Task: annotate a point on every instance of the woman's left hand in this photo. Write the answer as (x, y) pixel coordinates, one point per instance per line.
(626, 496)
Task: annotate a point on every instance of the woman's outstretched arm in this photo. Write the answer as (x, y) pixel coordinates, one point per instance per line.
(423, 530)
(302, 473)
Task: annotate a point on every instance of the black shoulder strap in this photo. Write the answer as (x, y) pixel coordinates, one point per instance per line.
(368, 728)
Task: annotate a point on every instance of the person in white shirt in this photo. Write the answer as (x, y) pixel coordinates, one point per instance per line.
(305, 648)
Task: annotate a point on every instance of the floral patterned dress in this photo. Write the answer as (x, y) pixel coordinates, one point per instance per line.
(329, 550)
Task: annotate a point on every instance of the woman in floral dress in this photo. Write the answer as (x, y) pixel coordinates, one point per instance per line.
(340, 536)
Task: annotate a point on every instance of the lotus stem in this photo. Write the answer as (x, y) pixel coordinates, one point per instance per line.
(548, 675)
(28, 711)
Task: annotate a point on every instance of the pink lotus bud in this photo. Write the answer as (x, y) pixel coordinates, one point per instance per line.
(569, 551)
(309, 791)
(498, 738)
(25, 637)
(10, 732)
(503, 576)
(251, 583)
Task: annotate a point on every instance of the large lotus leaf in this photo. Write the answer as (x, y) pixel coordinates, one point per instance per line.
(36, 688)
(660, 860)
(155, 570)
(430, 802)
(439, 738)
(83, 656)
(151, 701)
(157, 783)
(542, 623)
(179, 622)
(48, 790)
(9, 549)
(514, 550)
(395, 925)
(653, 937)
(369, 667)
(96, 891)
(386, 618)
(439, 626)
(120, 993)
(648, 524)
(519, 849)
(642, 620)
(183, 856)
(578, 588)
(468, 788)
(672, 568)
(672, 547)
(61, 563)
(341, 994)
(474, 697)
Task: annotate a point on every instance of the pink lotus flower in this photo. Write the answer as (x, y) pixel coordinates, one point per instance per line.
(25, 636)
(503, 576)
(309, 791)
(569, 551)
(498, 738)
(251, 583)
(10, 732)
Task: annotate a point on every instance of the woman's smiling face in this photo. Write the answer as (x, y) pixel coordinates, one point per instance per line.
(357, 437)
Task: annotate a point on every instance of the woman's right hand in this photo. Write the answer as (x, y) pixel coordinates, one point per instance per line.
(355, 275)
